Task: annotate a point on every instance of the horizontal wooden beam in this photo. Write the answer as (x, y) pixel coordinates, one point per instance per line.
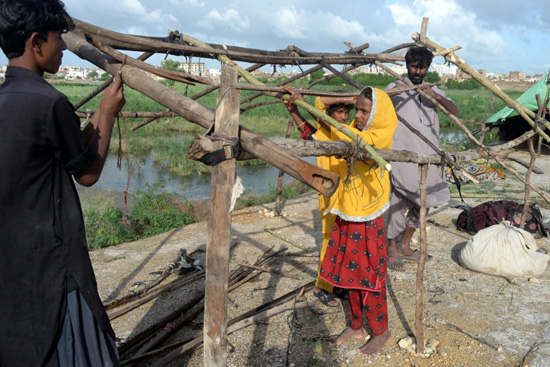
(323, 181)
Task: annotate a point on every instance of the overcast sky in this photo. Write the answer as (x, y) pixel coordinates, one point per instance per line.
(495, 35)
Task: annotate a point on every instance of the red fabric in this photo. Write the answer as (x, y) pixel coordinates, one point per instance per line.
(375, 307)
(356, 256)
(308, 132)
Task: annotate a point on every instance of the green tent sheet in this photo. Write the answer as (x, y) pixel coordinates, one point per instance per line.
(527, 99)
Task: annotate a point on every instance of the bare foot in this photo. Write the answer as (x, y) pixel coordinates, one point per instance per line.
(406, 251)
(346, 335)
(375, 344)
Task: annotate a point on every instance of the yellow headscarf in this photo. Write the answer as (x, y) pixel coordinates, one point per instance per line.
(363, 194)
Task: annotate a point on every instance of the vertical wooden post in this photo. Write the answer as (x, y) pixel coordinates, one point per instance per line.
(422, 262)
(219, 226)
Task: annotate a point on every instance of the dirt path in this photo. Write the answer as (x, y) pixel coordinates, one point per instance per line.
(508, 317)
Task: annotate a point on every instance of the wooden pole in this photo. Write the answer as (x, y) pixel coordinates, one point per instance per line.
(312, 110)
(540, 114)
(422, 262)
(219, 223)
(324, 181)
(105, 84)
(527, 180)
(184, 46)
(214, 87)
(279, 198)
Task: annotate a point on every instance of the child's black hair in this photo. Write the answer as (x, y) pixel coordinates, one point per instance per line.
(19, 19)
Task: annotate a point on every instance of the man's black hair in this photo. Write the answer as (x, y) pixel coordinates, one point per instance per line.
(19, 19)
(419, 54)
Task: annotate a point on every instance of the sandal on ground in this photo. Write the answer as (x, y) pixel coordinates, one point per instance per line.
(396, 263)
(414, 257)
(326, 298)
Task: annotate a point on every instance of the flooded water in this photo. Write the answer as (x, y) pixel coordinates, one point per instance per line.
(144, 171)
(256, 179)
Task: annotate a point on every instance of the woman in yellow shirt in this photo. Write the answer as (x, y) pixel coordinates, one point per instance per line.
(356, 255)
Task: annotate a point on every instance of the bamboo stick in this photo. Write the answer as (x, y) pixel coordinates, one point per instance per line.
(301, 247)
(168, 269)
(284, 82)
(135, 114)
(330, 67)
(527, 180)
(312, 110)
(180, 317)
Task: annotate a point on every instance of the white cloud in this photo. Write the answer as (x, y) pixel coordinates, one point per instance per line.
(510, 35)
(133, 7)
(229, 19)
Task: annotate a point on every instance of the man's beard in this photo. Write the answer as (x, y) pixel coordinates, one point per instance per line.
(416, 79)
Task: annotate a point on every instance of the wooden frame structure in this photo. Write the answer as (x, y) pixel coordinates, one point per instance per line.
(99, 46)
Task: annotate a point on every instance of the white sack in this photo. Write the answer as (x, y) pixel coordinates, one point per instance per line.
(505, 250)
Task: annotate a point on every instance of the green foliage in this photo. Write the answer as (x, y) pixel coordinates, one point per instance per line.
(92, 74)
(154, 211)
(336, 81)
(472, 106)
(432, 77)
(168, 82)
(104, 77)
(106, 228)
(467, 84)
(316, 75)
(170, 64)
(374, 80)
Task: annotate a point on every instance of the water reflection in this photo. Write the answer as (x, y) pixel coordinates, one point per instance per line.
(255, 178)
(145, 171)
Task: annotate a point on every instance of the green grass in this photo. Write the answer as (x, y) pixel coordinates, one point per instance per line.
(156, 211)
(473, 105)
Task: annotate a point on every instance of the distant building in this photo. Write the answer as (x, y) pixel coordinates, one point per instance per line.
(516, 76)
(73, 72)
(193, 68)
(213, 74)
(496, 76)
(258, 73)
(445, 69)
(375, 69)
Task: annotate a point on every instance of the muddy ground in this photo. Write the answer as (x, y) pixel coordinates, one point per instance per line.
(499, 320)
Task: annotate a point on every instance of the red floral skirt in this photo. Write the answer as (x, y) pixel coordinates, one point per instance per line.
(356, 255)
